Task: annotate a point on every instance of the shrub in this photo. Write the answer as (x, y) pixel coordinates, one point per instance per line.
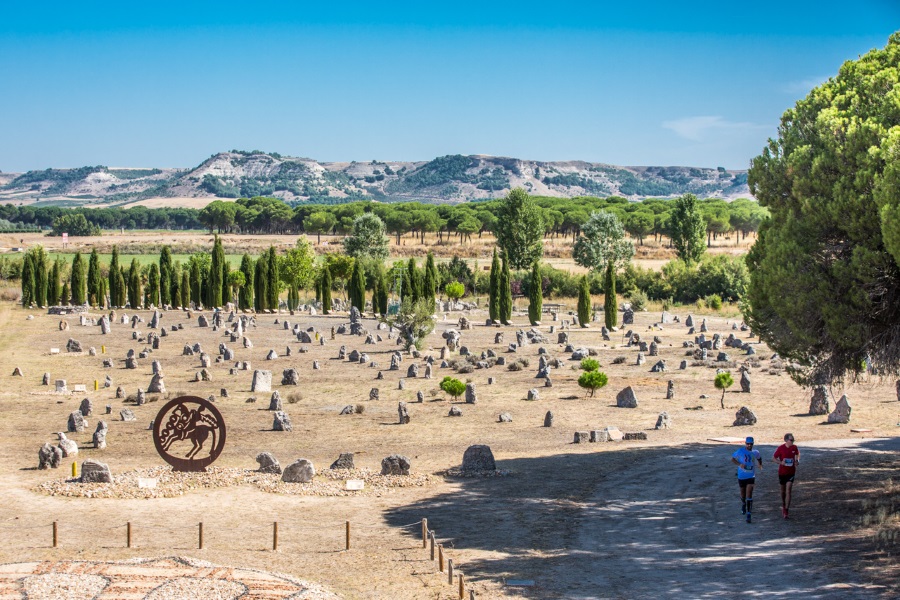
(514, 366)
(638, 300)
(723, 381)
(619, 360)
(454, 387)
(590, 364)
(359, 409)
(593, 380)
(294, 397)
(714, 301)
(455, 290)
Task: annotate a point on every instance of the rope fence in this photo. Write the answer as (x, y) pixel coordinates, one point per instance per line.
(437, 551)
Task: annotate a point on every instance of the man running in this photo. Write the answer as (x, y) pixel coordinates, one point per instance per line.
(747, 459)
(788, 457)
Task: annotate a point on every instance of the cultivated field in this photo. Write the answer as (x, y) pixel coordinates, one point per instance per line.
(654, 518)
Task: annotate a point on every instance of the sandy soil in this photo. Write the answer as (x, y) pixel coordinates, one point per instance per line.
(658, 518)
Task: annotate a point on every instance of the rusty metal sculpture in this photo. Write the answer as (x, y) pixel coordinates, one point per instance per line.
(193, 420)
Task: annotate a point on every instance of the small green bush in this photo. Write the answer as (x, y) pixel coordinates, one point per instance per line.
(590, 364)
(454, 387)
(593, 380)
(714, 301)
(455, 290)
(638, 300)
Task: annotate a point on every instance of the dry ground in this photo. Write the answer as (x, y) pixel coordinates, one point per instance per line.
(635, 519)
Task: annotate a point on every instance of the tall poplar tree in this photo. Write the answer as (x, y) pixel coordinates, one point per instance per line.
(217, 274)
(610, 304)
(134, 285)
(185, 287)
(79, 287)
(535, 295)
(261, 279)
(27, 281)
(166, 277)
(429, 282)
(196, 284)
(40, 276)
(326, 290)
(505, 291)
(121, 288)
(114, 267)
(273, 283)
(153, 286)
(245, 295)
(358, 286)
(584, 302)
(54, 291)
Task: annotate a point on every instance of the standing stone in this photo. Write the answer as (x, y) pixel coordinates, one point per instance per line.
(262, 381)
(744, 417)
(126, 414)
(77, 423)
(640, 359)
(533, 394)
(275, 401)
(420, 396)
(344, 461)
(478, 458)
(93, 471)
(316, 365)
(428, 371)
(820, 403)
(703, 327)
(412, 371)
(581, 437)
(87, 407)
(626, 398)
(67, 447)
(272, 355)
(663, 421)
(401, 385)
(281, 422)
(471, 395)
(268, 463)
(403, 414)
(290, 377)
(46, 379)
(141, 397)
(548, 419)
(157, 385)
(395, 464)
(745, 382)
(130, 363)
(841, 413)
(654, 349)
(202, 321)
(49, 456)
(454, 412)
(373, 394)
(659, 367)
(299, 471)
(683, 365)
(120, 392)
(154, 320)
(504, 418)
(61, 386)
(73, 346)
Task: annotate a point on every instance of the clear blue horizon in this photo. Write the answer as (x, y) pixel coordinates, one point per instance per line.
(167, 85)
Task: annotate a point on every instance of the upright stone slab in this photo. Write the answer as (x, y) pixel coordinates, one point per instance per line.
(262, 381)
(402, 413)
(93, 471)
(478, 458)
(281, 422)
(744, 417)
(344, 461)
(299, 471)
(663, 421)
(471, 394)
(77, 423)
(268, 463)
(745, 382)
(841, 413)
(626, 398)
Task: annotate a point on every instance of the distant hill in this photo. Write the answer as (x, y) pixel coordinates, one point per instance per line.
(448, 179)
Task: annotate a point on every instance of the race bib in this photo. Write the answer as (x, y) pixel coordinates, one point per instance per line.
(748, 466)
(789, 462)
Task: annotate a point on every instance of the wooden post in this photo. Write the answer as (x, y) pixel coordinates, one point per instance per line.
(450, 571)
(462, 587)
(200, 541)
(441, 558)
(128, 535)
(275, 536)
(432, 545)
(424, 533)
(348, 535)
(55, 535)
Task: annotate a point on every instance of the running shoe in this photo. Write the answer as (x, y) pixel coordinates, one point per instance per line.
(743, 508)
(785, 512)
(748, 517)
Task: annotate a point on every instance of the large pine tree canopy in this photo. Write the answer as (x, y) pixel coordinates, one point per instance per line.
(825, 280)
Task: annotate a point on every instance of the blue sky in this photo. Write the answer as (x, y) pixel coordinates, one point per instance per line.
(167, 84)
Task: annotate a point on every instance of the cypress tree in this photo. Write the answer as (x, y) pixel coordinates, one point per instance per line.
(66, 296)
(273, 282)
(415, 281)
(54, 292)
(27, 281)
(505, 292)
(114, 277)
(584, 302)
(166, 277)
(174, 288)
(40, 277)
(326, 290)
(429, 282)
(79, 289)
(245, 295)
(382, 294)
(261, 279)
(318, 286)
(216, 274)
(610, 306)
(535, 294)
(153, 286)
(196, 284)
(226, 287)
(185, 288)
(121, 288)
(94, 289)
(494, 289)
(103, 286)
(134, 285)
(406, 286)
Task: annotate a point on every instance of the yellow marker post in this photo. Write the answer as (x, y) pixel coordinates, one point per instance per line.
(102, 349)
(96, 385)
(317, 336)
(74, 469)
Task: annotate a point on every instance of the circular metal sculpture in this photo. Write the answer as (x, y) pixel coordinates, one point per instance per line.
(189, 433)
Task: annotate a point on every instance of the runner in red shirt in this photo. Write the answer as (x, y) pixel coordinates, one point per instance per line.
(788, 457)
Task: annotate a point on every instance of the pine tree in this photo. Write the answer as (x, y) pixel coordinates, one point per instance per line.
(584, 302)
(245, 296)
(153, 286)
(430, 280)
(27, 281)
(134, 285)
(610, 305)
(494, 289)
(185, 288)
(216, 274)
(272, 286)
(326, 290)
(94, 290)
(114, 277)
(196, 284)
(535, 295)
(505, 292)
(166, 278)
(79, 288)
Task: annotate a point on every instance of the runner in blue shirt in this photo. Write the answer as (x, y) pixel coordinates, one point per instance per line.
(748, 460)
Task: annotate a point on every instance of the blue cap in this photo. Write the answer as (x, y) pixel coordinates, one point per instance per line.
(749, 440)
